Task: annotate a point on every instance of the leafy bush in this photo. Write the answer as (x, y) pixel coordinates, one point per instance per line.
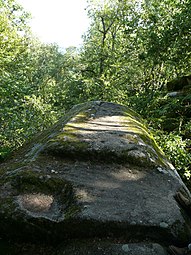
(177, 151)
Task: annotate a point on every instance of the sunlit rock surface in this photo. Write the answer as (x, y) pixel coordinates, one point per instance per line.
(97, 173)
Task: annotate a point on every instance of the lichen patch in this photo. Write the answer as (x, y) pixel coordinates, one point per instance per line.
(36, 203)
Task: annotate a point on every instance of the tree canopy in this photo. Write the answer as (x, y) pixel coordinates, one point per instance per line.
(130, 51)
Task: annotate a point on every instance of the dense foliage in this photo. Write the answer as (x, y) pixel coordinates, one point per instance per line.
(131, 50)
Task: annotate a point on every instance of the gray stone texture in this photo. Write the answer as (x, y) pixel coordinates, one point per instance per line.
(97, 173)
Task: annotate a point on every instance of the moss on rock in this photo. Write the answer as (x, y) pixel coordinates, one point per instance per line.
(102, 152)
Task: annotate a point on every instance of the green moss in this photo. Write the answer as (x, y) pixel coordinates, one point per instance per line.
(134, 126)
(66, 143)
(33, 181)
(78, 114)
(2, 171)
(130, 121)
(68, 137)
(8, 206)
(68, 140)
(81, 117)
(12, 166)
(71, 211)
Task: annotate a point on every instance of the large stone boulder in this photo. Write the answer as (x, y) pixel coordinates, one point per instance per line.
(97, 173)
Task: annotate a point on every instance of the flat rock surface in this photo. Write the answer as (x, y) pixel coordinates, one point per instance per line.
(109, 248)
(96, 173)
